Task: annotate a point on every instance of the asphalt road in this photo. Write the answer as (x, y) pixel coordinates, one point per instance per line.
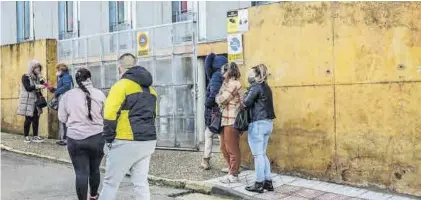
(24, 177)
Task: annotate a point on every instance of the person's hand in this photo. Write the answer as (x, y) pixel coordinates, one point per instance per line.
(39, 86)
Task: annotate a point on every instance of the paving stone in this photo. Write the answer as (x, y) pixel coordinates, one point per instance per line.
(277, 181)
(230, 185)
(197, 196)
(309, 193)
(287, 189)
(288, 179)
(294, 198)
(400, 198)
(243, 190)
(331, 196)
(350, 191)
(375, 196)
(322, 186)
(270, 196)
(246, 173)
(303, 183)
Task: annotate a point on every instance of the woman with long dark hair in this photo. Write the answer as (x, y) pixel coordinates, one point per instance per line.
(82, 110)
(229, 100)
(260, 102)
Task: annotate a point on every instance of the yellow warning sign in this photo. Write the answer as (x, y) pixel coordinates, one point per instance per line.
(237, 21)
(143, 44)
(232, 21)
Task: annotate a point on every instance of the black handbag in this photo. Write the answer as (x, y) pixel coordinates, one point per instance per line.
(215, 126)
(242, 120)
(41, 102)
(53, 103)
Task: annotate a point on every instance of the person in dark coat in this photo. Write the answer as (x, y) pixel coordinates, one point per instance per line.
(213, 64)
(64, 84)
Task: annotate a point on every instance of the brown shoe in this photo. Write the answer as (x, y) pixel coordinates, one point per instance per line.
(205, 164)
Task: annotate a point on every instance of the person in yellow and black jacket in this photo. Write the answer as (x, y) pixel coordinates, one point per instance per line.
(129, 129)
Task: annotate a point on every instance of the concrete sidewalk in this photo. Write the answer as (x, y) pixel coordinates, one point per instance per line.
(181, 169)
(294, 188)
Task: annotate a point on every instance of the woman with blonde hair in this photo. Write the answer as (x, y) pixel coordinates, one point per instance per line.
(259, 101)
(229, 100)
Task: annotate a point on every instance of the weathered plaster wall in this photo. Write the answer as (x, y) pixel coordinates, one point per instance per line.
(346, 88)
(14, 63)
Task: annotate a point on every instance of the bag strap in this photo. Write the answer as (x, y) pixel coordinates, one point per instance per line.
(72, 84)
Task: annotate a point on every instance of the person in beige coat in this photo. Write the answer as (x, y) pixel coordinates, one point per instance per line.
(229, 100)
(29, 93)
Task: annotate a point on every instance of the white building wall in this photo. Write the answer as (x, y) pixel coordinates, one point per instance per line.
(94, 18)
(8, 22)
(45, 19)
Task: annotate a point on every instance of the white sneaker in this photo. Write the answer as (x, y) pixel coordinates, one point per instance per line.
(230, 179)
(225, 170)
(27, 139)
(37, 139)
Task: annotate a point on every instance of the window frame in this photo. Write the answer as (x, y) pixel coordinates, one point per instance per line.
(120, 14)
(68, 24)
(24, 21)
(67, 8)
(178, 9)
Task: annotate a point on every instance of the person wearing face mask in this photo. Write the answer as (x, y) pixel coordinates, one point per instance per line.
(64, 84)
(260, 102)
(229, 100)
(30, 92)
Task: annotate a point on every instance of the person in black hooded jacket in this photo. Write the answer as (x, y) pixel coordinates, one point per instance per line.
(213, 65)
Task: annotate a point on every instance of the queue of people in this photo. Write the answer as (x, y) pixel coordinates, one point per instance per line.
(225, 94)
(123, 123)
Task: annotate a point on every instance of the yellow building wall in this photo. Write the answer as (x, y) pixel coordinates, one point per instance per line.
(14, 63)
(346, 89)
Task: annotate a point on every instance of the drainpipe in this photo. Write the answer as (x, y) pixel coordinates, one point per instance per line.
(201, 97)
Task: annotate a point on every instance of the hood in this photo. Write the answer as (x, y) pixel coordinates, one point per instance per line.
(139, 75)
(214, 63)
(31, 66)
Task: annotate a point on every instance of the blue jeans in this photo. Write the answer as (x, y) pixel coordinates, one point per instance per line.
(258, 137)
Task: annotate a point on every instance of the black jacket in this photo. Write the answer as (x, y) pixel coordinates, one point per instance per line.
(260, 102)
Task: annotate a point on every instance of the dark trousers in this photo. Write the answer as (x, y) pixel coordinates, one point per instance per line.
(34, 120)
(86, 156)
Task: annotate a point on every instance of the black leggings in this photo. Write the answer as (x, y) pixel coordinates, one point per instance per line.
(34, 120)
(86, 158)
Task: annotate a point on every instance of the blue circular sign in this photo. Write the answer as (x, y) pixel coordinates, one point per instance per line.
(235, 44)
(143, 40)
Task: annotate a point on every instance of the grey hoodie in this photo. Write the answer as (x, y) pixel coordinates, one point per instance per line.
(73, 111)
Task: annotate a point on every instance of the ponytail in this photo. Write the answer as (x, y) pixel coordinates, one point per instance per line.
(82, 75)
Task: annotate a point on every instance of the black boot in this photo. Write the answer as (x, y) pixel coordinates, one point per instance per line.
(268, 186)
(257, 187)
